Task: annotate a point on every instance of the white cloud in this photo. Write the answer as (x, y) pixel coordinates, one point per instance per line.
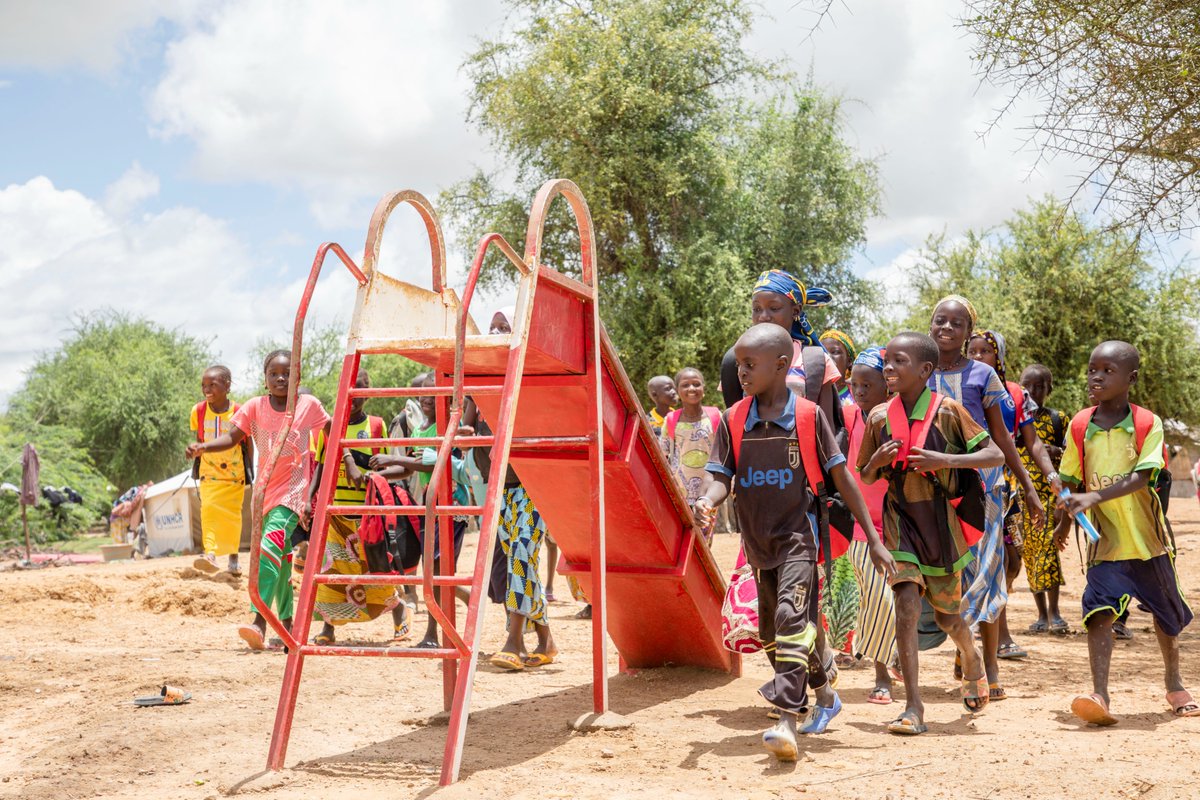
(344, 101)
(69, 254)
(922, 108)
(130, 190)
(79, 33)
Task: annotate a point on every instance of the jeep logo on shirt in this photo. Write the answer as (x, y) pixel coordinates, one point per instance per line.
(781, 478)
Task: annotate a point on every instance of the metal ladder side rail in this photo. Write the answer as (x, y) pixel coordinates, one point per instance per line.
(259, 491)
(502, 438)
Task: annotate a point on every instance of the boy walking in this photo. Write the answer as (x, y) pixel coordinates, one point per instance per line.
(928, 448)
(759, 444)
(1114, 452)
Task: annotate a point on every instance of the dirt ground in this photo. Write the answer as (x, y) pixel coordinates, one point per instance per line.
(80, 642)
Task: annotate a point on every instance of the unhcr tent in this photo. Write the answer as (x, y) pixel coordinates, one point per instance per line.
(172, 514)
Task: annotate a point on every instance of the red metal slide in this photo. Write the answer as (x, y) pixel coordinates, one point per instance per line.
(565, 415)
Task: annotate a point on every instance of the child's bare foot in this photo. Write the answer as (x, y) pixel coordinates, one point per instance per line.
(232, 566)
(1093, 709)
(584, 613)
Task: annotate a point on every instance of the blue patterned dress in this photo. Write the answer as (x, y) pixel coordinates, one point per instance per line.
(978, 387)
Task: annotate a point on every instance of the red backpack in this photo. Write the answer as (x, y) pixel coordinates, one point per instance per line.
(1143, 421)
(806, 437)
(970, 502)
(672, 418)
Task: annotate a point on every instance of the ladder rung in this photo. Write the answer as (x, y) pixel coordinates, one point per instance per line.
(389, 579)
(422, 391)
(358, 511)
(426, 441)
(392, 652)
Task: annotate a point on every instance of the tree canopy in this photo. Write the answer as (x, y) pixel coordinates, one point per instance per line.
(1055, 286)
(693, 188)
(126, 385)
(1119, 87)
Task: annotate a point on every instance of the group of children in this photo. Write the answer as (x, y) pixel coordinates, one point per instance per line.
(957, 477)
(938, 476)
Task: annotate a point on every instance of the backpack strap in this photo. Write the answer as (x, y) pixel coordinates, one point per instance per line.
(1018, 397)
(1143, 423)
(201, 413)
(1079, 426)
(714, 417)
(376, 430)
(806, 436)
(670, 421)
(914, 436)
(812, 358)
(737, 425)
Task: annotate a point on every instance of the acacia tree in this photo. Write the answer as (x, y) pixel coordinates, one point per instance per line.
(1055, 286)
(126, 385)
(693, 189)
(1119, 83)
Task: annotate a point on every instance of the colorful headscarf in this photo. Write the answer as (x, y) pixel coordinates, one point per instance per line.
(784, 283)
(847, 342)
(962, 301)
(871, 356)
(1000, 346)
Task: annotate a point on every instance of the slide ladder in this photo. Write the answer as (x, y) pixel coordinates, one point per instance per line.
(565, 415)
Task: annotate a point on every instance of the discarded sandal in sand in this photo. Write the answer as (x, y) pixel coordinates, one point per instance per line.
(167, 696)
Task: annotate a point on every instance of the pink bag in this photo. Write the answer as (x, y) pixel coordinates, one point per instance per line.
(739, 613)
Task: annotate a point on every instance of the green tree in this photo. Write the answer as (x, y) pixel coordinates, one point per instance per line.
(64, 462)
(323, 351)
(1118, 83)
(126, 385)
(1056, 286)
(693, 189)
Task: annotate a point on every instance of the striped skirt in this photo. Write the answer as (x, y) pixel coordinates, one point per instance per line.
(984, 591)
(876, 632)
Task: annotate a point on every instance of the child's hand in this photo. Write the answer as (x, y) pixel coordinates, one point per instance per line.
(1056, 486)
(885, 455)
(306, 515)
(1061, 534)
(705, 509)
(195, 449)
(355, 475)
(465, 430)
(381, 461)
(1034, 507)
(1054, 451)
(926, 460)
(1078, 503)
(884, 563)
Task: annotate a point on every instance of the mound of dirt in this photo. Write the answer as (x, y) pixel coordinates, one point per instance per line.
(78, 590)
(192, 599)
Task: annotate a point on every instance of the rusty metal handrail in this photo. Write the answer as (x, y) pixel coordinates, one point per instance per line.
(433, 228)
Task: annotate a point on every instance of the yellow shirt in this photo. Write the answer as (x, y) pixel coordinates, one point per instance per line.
(224, 465)
(346, 493)
(1131, 527)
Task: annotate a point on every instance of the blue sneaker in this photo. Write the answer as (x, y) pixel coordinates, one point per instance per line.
(821, 716)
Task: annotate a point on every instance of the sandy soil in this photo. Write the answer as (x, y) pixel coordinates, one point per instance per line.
(82, 641)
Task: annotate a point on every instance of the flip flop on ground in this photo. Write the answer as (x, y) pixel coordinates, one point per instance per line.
(509, 662)
(1041, 626)
(1182, 704)
(167, 696)
(1059, 627)
(1092, 709)
(996, 693)
(206, 565)
(907, 724)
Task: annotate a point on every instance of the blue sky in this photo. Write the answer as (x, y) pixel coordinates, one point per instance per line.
(184, 160)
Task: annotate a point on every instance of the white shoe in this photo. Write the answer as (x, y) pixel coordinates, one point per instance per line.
(780, 740)
(206, 564)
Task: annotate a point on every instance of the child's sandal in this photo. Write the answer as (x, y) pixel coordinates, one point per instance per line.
(996, 693)
(975, 694)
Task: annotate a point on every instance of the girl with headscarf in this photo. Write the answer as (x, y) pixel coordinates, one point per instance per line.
(781, 299)
(840, 348)
(989, 347)
(976, 386)
(875, 634)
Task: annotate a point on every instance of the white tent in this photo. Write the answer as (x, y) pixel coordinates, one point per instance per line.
(172, 514)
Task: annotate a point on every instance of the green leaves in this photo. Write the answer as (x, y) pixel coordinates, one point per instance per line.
(1056, 287)
(693, 190)
(126, 385)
